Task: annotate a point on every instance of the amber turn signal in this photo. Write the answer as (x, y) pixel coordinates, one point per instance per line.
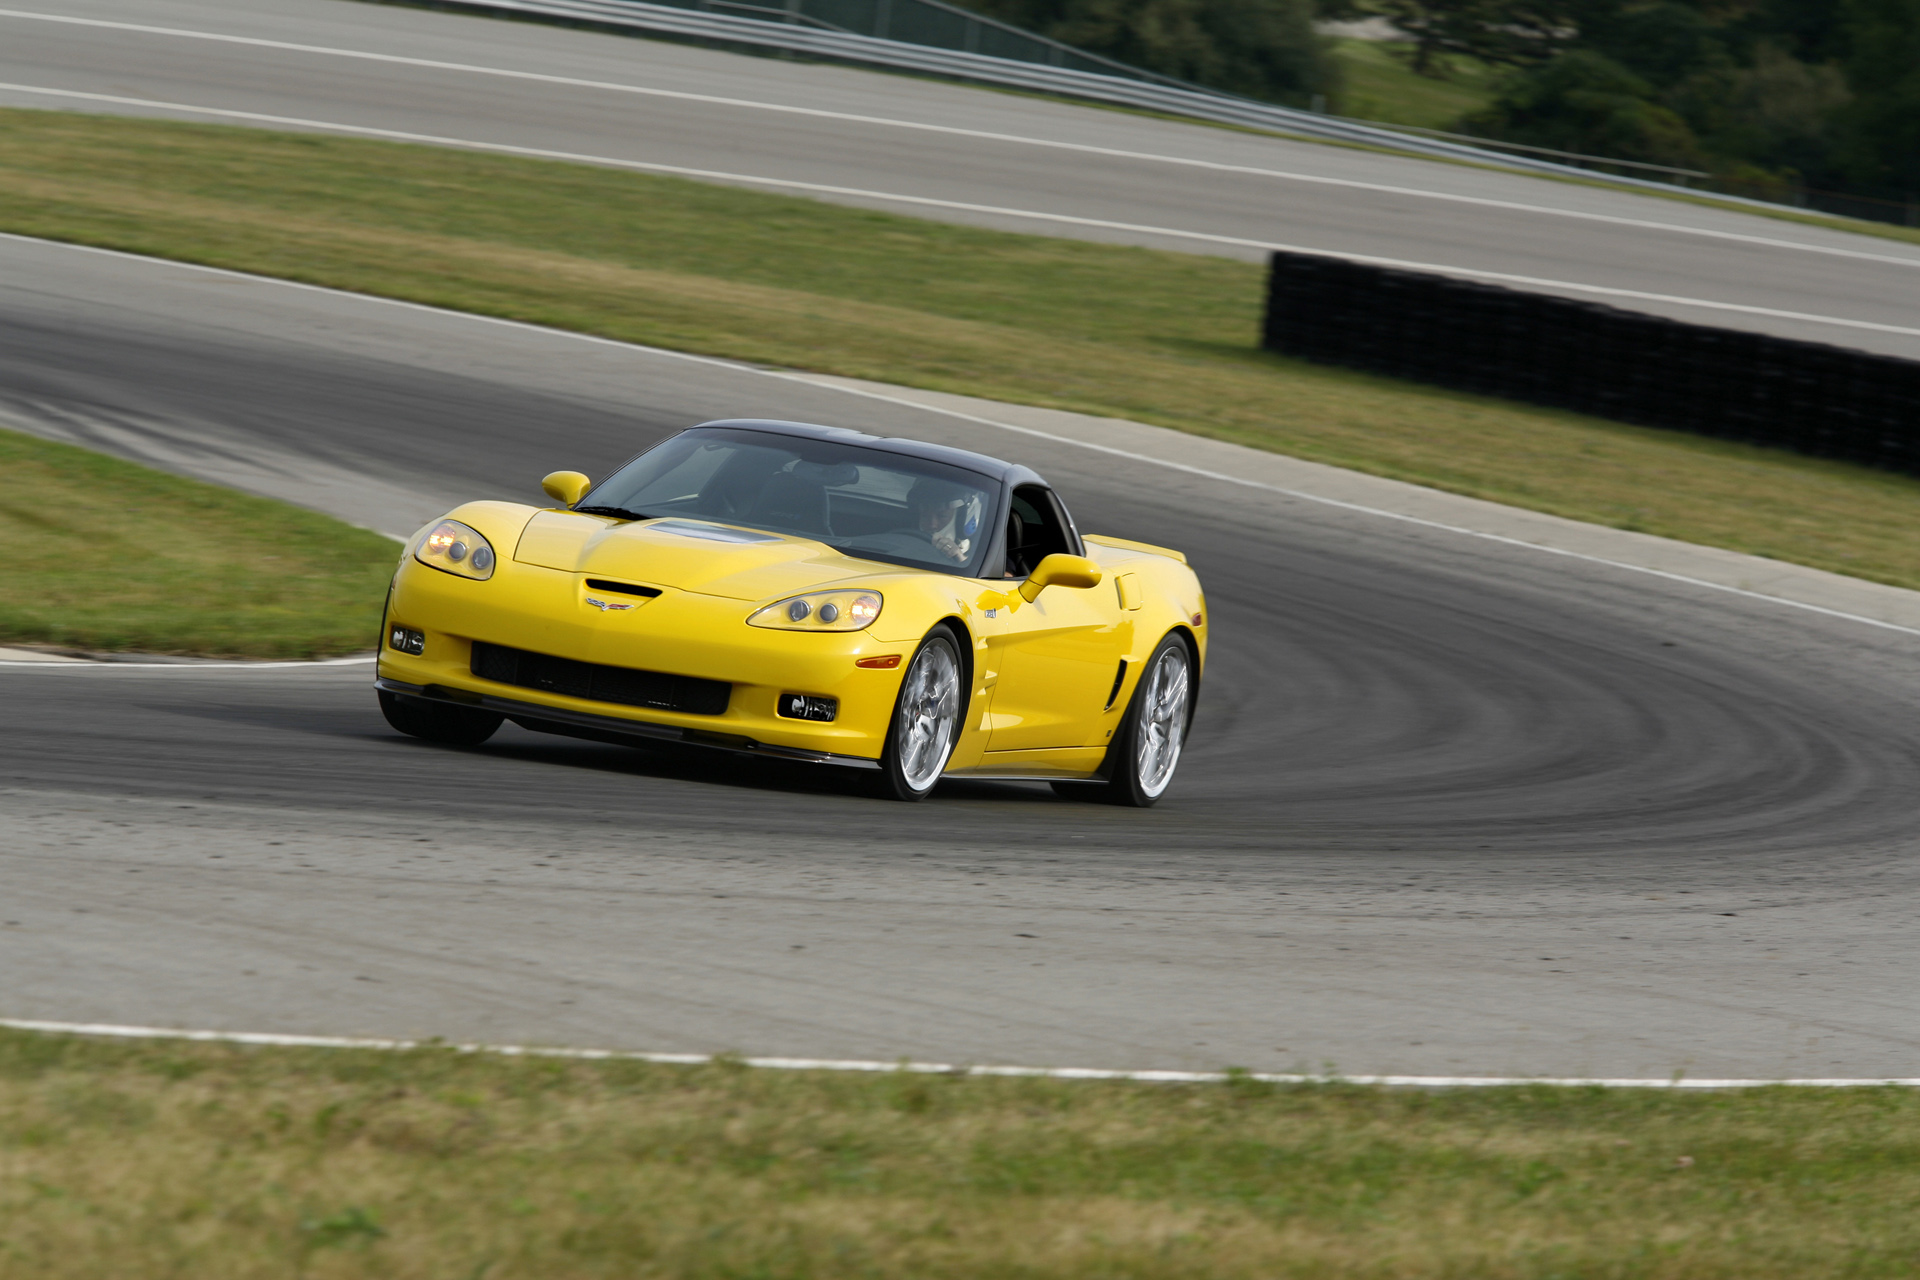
(886, 662)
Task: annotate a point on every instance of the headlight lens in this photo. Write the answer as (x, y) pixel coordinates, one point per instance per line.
(454, 548)
(821, 611)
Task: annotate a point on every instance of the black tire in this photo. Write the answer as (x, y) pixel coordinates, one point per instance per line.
(440, 722)
(1131, 777)
(917, 751)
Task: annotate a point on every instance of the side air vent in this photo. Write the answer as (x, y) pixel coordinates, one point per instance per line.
(623, 588)
(1119, 678)
(598, 683)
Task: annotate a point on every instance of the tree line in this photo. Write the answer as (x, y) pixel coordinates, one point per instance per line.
(1776, 92)
(1256, 48)
(1771, 93)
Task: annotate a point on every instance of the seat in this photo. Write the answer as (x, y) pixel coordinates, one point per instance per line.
(791, 502)
(1019, 551)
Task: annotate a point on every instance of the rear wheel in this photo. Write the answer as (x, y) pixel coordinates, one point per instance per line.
(926, 719)
(441, 722)
(1146, 750)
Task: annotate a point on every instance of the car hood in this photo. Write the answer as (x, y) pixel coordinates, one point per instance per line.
(690, 555)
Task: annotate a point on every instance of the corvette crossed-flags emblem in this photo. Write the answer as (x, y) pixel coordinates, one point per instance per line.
(605, 605)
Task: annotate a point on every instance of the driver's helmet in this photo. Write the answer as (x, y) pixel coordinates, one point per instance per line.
(931, 495)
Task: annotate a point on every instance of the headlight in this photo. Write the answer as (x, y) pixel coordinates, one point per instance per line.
(454, 548)
(822, 611)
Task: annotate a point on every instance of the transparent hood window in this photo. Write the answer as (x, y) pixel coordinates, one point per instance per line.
(863, 502)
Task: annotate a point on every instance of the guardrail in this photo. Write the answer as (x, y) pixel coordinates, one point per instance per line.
(1012, 59)
(1498, 145)
(933, 24)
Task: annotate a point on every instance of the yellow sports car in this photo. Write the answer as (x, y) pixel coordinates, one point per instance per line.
(809, 593)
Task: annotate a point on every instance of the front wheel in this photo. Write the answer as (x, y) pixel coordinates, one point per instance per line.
(442, 722)
(926, 719)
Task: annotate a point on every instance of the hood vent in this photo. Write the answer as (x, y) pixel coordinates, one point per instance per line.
(623, 588)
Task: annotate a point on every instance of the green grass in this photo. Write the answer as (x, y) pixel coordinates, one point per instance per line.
(96, 553)
(1380, 87)
(1160, 337)
(172, 1159)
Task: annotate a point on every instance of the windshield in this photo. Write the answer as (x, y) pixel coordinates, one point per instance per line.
(864, 502)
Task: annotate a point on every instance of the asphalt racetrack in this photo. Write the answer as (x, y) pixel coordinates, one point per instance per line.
(943, 151)
(1451, 807)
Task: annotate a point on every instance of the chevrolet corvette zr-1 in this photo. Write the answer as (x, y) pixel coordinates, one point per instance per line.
(810, 593)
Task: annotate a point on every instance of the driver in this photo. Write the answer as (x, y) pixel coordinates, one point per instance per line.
(937, 506)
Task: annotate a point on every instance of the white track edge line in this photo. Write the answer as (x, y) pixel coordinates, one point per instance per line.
(269, 1039)
(783, 375)
(929, 202)
(1645, 224)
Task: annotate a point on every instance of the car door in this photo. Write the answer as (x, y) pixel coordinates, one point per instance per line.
(1056, 655)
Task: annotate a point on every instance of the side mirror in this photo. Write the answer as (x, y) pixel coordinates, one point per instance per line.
(566, 487)
(1060, 571)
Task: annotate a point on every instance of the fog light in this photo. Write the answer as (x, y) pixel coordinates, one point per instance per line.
(805, 706)
(407, 640)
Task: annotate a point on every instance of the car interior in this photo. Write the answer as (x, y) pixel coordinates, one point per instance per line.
(853, 499)
(1035, 530)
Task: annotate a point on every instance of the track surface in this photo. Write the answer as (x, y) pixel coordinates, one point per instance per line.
(986, 164)
(1451, 808)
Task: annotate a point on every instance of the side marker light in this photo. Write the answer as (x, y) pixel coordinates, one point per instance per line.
(885, 662)
(1197, 619)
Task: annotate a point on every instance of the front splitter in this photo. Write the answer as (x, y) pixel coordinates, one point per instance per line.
(599, 728)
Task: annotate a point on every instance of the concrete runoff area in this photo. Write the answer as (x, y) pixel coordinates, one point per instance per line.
(1453, 806)
(862, 131)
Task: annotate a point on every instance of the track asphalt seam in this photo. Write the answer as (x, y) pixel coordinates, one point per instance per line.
(281, 1040)
(1063, 219)
(1051, 437)
(984, 135)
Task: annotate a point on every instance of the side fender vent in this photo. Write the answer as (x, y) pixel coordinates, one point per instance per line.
(1119, 678)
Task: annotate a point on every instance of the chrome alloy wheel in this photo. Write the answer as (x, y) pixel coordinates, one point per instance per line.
(929, 712)
(1163, 721)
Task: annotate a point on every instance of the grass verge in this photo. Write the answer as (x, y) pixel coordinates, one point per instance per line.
(103, 554)
(1380, 87)
(1160, 337)
(161, 1159)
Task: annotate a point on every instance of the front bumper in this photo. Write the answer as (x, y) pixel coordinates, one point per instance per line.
(600, 728)
(544, 611)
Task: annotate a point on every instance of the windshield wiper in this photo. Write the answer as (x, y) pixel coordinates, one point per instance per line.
(618, 513)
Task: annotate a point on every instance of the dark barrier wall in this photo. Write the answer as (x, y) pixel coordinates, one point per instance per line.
(1805, 396)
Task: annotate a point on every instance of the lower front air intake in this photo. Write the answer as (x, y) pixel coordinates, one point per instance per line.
(599, 683)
